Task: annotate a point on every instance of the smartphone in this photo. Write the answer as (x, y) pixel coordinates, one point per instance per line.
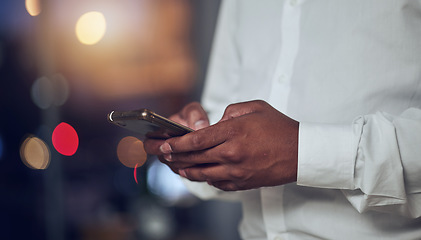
(148, 124)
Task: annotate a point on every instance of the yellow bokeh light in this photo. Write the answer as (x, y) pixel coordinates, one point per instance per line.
(35, 153)
(33, 7)
(91, 27)
(130, 152)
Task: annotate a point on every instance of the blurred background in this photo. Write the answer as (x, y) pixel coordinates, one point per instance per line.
(65, 172)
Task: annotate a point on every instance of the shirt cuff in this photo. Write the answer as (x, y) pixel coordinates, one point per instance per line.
(326, 155)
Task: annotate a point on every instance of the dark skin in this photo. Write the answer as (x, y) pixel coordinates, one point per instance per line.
(252, 146)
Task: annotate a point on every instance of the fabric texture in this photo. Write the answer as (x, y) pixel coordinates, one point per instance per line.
(350, 73)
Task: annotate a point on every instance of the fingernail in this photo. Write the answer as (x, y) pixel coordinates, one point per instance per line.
(168, 157)
(182, 173)
(200, 124)
(165, 148)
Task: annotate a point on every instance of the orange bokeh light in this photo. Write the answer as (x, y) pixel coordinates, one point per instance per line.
(35, 153)
(33, 7)
(130, 152)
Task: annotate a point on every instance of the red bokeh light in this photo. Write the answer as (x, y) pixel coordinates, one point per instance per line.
(65, 139)
(135, 174)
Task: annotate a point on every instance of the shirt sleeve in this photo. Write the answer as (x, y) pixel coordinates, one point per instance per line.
(375, 161)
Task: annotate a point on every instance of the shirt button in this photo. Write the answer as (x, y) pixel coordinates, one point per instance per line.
(293, 2)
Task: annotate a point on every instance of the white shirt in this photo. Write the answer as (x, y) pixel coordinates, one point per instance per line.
(350, 73)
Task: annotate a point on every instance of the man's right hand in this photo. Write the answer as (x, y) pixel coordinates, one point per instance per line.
(193, 116)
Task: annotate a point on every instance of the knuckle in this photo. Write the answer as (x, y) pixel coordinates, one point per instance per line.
(191, 107)
(186, 173)
(232, 105)
(196, 175)
(231, 108)
(196, 141)
(233, 154)
(193, 104)
(237, 174)
(230, 187)
(259, 104)
(202, 176)
(229, 155)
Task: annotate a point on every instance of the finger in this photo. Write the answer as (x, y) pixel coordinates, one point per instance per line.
(192, 116)
(195, 116)
(188, 159)
(176, 164)
(196, 141)
(205, 173)
(226, 185)
(194, 122)
(173, 167)
(243, 108)
(151, 146)
(178, 119)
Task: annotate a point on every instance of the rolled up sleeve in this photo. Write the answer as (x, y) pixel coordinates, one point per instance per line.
(375, 161)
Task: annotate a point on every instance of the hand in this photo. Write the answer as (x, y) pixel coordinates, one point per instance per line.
(252, 146)
(192, 116)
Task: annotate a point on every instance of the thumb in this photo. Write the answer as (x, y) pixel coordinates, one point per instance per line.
(195, 116)
(239, 109)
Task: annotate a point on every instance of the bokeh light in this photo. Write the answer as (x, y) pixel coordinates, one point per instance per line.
(49, 91)
(65, 139)
(130, 152)
(134, 173)
(33, 7)
(61, 89)
(166, 184)
(42, 92)
(35, 153)
(91, 27)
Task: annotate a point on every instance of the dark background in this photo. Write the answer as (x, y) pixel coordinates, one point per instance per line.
(91, 195)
